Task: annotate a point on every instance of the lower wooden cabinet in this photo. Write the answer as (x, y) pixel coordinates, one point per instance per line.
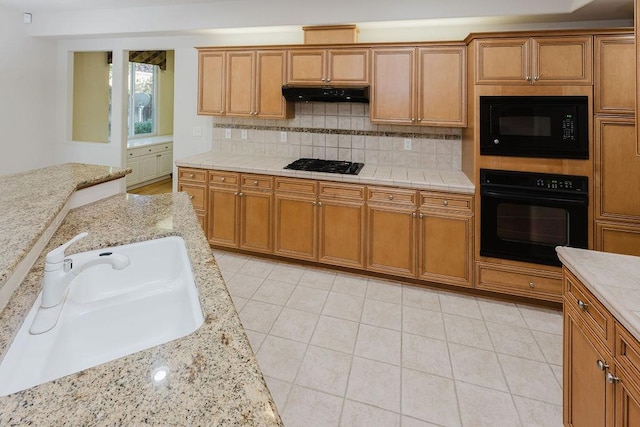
(601, 371)
(395, 231)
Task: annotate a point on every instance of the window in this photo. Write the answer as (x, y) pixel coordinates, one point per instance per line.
(142, 99)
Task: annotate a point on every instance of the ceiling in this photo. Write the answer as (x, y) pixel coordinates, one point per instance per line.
(78, 17)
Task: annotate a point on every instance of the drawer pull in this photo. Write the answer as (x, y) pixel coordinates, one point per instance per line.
(390, 196)
(422, 215)
(255, 182)
(313, 203)
(235, 194)
(611, 379)
(191, 175)
(240, 194)
(223, 179)
(601, 365)
(583, 305)
(191, 196)
(445, 203)
(319, 203)
(532, 284)
(414, 214)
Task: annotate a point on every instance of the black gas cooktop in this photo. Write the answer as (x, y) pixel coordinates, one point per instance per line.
(328, 166)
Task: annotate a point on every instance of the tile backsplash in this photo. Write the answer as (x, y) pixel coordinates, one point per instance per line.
(340, 131)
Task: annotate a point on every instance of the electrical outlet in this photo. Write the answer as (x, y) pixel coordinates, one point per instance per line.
(196, 131)
(227, 133)
(243, 134)
(407, 144)
(283, 136)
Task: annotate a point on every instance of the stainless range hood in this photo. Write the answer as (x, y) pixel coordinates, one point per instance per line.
(325, 94)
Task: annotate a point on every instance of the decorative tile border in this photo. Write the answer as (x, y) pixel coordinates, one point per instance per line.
(352, 132)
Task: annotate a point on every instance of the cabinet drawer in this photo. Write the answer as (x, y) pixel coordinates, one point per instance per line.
(393, 196)
(261, 182)
(546, 285)
(196, 194)
(300, 186)
(328, 190)
(627, 351)
(223, 179)
(192, 175)
(594, 315)
(446, 201)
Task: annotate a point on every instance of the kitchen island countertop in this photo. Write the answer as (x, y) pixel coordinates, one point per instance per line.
(212, 375)
(421, 179)
(612, 278)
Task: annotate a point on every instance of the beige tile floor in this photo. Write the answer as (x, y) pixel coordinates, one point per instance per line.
(343, 350)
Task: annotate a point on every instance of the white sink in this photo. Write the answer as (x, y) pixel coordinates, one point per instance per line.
(109, 314)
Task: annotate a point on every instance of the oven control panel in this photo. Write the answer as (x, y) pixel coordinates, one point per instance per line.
(532, 180)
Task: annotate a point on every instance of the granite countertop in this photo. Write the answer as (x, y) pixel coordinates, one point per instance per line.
(29, 202)
(421, 179)
(213, 377)
(613, 278)
(152, 140)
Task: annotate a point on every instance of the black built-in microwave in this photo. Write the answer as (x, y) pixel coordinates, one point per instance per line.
(534, 126)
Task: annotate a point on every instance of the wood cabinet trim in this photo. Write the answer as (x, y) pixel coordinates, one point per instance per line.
(612, 76)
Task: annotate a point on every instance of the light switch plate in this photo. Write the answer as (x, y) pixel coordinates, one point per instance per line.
(196, 131)
(283, 136)
(407, 144)
(227, 133)
(244, 134)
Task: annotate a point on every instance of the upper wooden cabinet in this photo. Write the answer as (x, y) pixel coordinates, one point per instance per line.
(562, 60)
(245, 83)
(338, 66)
(615, 71)
(419, 86)
(211, 83)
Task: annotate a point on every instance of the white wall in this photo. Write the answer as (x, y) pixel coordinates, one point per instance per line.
(27, 96)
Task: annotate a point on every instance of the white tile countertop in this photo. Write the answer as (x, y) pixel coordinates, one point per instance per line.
(421, 179)
(613, 278)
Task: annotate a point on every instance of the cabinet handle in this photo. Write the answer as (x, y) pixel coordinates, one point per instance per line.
(583, 306)
(390, 196)
(528, 78)
(255, 182)
(611, 379)
(419, 120)
(235, 194)
(191, 175)
(191, 196)
(313, 203)
(445, 203)
(601, 365)
(536, 78)
(319, 203)
(158, 155)
(532, 284)
(240, 194)
(422, 215)
(222, 179)
(414, 214)
(328, 80)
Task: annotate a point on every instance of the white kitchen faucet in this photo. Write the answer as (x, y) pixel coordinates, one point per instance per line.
(58, 274)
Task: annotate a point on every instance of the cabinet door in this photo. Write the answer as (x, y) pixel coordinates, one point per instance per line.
(211, 85)
(445, 248)
(503, 61)
(240, 83)
(627, 400)
(134, 177)
(391, 244)
(306, 66)
(617, 169)
(341, 233)
(223, 208)
(348, 66)
(442, 86)
(617, 237)
(588, 398)
(615, 68)
(296, 224)
(256, 219)
(270, 72)
(562, 60)
(393, 86)
(148, 167)
(164, 163)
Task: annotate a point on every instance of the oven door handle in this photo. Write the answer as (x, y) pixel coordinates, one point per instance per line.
(581, 200)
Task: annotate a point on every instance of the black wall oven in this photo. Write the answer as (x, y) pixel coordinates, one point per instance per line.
(535, 126)
(524, 216)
